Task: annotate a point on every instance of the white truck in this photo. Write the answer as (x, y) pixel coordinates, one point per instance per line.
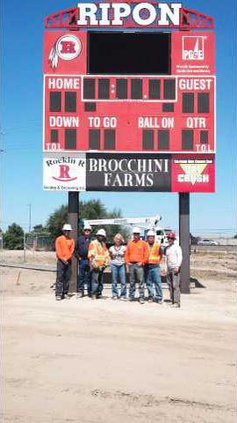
(146, 223)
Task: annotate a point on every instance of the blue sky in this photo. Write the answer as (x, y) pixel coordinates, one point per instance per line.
(21, 127)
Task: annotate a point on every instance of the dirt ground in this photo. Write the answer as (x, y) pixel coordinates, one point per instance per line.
(103, 361)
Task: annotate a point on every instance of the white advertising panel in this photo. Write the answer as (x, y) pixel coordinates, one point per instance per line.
(64, 172)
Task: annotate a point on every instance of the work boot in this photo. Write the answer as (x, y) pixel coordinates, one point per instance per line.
(175, 305)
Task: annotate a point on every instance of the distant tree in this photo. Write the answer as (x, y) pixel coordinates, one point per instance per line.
(13, 238)
(92, 209)
(235, 237)
(39, 229)
(56, 221)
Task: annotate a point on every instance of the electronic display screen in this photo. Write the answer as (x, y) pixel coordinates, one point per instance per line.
(116, 53)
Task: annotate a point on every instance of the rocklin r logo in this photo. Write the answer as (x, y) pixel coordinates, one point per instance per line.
(67, 47)
(193, 47)
(64, 174)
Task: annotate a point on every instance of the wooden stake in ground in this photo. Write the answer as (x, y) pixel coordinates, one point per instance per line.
(18, 278)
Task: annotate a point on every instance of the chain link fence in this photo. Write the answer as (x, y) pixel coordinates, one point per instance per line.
(38, 242)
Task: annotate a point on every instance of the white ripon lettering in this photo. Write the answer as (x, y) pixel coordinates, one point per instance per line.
(115, 14)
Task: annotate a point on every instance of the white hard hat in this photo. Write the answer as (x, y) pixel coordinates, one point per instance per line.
(67, 227)
(87, 226)
(136, 230)
(151, 233)
(101, 232)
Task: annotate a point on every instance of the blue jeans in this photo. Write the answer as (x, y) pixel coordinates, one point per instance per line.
(153, 279)
(118, 271)
(84, 277)
(136, 274)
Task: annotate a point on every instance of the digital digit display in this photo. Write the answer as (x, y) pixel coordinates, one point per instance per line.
(129, 53)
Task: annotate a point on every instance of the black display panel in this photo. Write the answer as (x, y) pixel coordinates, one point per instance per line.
(116, 53)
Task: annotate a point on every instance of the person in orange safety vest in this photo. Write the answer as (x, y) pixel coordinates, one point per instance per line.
(152, 270)
(99, 258)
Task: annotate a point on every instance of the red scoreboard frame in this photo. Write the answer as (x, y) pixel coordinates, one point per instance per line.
(169, 113)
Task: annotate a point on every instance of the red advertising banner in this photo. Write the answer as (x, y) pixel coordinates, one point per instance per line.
(193, 174)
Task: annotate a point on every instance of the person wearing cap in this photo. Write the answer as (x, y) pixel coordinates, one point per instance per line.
(64, 246)
(81, 253)
(98, 256)
(174, 260)
(152, 269)
(117, 265)
(136, 256)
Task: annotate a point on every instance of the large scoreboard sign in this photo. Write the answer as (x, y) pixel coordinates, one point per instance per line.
(110, 90)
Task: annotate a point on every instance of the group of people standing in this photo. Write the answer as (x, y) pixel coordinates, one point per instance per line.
(140, 259)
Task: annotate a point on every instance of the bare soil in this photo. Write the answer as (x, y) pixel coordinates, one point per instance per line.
(107, 361)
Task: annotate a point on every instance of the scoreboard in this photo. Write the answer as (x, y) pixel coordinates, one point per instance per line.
(117, 93)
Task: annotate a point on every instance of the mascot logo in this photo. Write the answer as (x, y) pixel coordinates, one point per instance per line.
(67, 47)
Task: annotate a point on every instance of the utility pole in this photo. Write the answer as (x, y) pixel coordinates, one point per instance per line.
(73, 219)
(29, 205)
(184, 236)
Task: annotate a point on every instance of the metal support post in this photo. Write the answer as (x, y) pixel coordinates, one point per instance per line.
(73, 219)
(184, 236)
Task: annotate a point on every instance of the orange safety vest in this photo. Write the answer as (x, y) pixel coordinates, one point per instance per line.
(155, 254)
(98, 253)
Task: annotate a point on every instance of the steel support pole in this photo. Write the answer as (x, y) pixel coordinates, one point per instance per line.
(73, 219)
(184, 237)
